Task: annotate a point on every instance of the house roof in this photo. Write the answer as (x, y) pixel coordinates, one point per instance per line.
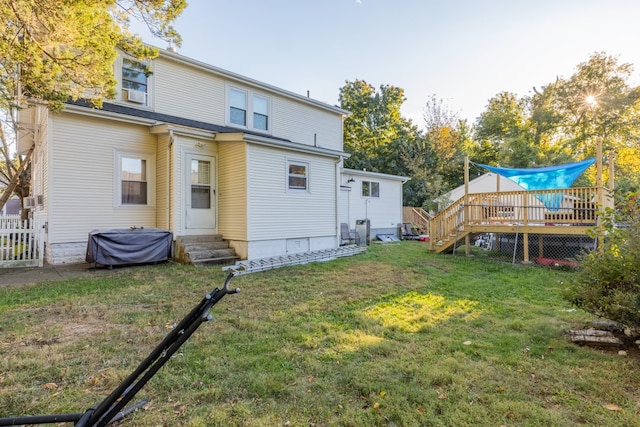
(166, 118)
(157, 119)
(374, 175)
(485, 183)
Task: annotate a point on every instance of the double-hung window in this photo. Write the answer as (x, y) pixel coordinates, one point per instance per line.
(297, 175)
(134, 179)
(238, 107)
(370, 189)
(260, 112)
(248, 109)
(135, 81)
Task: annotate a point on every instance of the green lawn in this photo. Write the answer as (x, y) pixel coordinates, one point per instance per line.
(395, 336)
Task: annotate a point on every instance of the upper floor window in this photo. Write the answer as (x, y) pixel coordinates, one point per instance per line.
(297, 175)
(135, 82)
(370, 189)
(260, 112)
(238, 107)
(248, 109)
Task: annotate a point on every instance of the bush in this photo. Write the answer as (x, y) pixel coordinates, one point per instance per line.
(608, 281)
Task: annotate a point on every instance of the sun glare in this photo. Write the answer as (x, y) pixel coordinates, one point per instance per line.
(591, 101)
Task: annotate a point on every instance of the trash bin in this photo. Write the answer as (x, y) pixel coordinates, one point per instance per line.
(363, 232)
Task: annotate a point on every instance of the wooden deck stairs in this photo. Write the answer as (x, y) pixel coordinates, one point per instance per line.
(571, 211)
(204, 250)
(418, 217)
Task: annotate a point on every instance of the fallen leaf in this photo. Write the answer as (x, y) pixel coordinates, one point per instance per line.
(376, 405)
(50, 386)
(383, 393)
(612, 407)
(442, 396)
(466, 343)
(420, 409)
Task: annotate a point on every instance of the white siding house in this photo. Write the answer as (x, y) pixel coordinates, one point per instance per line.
(373, 196)
(196, 150)
(486, 183)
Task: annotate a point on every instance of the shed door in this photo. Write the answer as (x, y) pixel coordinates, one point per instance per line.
(200, 192)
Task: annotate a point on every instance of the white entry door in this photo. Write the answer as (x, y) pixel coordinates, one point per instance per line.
(200, 192)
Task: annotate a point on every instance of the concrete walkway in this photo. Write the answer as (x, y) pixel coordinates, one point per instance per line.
(48, 273)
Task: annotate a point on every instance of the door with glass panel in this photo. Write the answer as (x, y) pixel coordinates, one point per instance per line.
(200, 192)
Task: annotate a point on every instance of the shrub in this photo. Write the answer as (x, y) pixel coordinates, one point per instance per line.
(608, 281)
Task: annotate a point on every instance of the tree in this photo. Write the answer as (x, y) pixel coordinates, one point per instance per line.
(437, 162)
(56, 50)
(557, 124)
(597, 103)
(375, 129)
(11, 167)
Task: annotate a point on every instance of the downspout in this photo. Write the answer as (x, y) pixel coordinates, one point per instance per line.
(338, 193)
(169, 176)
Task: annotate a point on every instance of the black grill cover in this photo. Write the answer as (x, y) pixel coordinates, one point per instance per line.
(129, 246)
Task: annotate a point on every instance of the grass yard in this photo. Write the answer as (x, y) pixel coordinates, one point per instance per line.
(395, 336)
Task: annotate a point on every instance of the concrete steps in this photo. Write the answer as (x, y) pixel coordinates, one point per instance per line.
(204, 250)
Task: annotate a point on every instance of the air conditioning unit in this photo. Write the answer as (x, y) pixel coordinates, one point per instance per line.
(137, 96)
(29, 202)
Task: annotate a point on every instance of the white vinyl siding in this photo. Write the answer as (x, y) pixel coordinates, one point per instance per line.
(385, 211)
(306, 124)
(274, 212)
(198, 94)
(82, 177)
(188, 92)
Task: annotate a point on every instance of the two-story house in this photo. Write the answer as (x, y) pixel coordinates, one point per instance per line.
(193, 149)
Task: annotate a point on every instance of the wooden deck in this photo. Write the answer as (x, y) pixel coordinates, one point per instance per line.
(572, 211)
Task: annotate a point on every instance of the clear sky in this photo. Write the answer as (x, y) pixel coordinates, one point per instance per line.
(462, 51)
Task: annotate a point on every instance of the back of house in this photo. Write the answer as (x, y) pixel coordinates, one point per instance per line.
(192, 149)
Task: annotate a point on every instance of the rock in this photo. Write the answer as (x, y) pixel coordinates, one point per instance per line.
(594, 337)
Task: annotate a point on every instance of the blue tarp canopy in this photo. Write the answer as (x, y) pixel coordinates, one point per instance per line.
(546, 178)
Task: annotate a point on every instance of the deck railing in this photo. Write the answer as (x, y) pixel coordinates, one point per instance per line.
(564, 207)
(418, 217)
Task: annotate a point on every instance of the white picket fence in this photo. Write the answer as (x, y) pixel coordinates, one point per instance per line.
(21, 242)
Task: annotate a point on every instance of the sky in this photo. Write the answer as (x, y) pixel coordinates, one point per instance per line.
(463, 52)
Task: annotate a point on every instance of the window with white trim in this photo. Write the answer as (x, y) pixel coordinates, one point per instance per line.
(135, 179)
(370, 189)
(248, 109)
(135, 82)
(297, 175)
(238, 107)
(260, 112)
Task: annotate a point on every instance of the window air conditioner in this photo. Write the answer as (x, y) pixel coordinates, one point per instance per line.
(136, 96)
(29, 202)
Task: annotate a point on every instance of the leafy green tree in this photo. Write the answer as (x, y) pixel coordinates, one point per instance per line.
(562, 121)
(56, 50)
(597, 103)
(505, 133)
(376, 128)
